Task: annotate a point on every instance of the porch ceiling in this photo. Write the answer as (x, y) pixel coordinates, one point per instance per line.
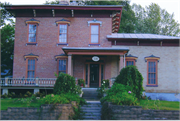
(95, 51)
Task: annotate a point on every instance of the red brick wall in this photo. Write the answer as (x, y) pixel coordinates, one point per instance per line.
(78, 36)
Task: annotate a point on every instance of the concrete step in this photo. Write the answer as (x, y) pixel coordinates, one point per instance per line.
(87, 106)
(91, 114)
(91, 98)
(91, 117)
(91, 108)
(91, 111)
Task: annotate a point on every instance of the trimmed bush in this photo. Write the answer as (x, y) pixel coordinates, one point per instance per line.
(65, 84)
(120, 94)
(132, 77)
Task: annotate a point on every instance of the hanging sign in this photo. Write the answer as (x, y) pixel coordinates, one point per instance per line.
(95, 58)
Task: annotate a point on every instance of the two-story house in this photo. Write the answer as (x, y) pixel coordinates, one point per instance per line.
(83, 42)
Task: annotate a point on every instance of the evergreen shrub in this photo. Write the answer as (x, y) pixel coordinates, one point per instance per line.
(120, 94)
(65, 84)
(132, 77)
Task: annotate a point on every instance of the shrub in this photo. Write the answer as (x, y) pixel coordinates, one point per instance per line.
(65, 84)
(132, 77)
(81, 81)
(61, 99)
(54, 99)
(4, 96)
(12, 95)
(104, 85)
(120, 94)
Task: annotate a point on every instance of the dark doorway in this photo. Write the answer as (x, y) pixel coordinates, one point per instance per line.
(94, 75)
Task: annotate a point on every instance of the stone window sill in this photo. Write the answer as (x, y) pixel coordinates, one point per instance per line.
(31, 44)
(151, 85)
(62, 44)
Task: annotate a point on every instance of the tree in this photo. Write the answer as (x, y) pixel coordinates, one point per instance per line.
(155, 20)
(7, 47)
(7, 41)
(5, 15)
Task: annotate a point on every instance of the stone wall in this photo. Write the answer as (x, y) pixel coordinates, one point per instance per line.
(45, 112)
(117, 112)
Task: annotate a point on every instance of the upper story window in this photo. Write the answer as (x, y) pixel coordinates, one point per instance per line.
(62, 33)
(32, 33)
(152, 70)
(94, 34)
(130, 60)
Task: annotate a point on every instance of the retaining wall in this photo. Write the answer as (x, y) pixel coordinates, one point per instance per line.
(45, 112)
(117, 112)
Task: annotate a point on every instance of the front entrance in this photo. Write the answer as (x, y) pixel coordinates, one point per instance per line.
(94, 75)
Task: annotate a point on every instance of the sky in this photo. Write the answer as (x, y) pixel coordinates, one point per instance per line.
(172, 6)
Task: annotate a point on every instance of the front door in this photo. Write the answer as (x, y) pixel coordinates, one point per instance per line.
(94, 75)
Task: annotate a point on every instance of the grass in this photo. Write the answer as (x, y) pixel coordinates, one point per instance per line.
(5, 103)
(161, 105)
(151, 104)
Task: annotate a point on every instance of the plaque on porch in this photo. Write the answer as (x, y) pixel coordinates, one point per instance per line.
(95, 58)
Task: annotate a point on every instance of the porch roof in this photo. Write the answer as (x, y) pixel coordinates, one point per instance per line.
(95, 50)
(141, 36)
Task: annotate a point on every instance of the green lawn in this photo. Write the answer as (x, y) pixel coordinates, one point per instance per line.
(162, 105)
(5, 103)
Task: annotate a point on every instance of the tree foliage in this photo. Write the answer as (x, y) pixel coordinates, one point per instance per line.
(7, 41)
(7, 47)
(132, 77)
(155, 20)
(5, 15)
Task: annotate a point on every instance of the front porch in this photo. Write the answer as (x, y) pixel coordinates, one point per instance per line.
(35, 84)
(94, 64)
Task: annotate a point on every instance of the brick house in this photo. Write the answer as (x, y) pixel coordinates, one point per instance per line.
(83, 42)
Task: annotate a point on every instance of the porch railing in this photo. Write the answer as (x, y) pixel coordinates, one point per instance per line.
(28, 81)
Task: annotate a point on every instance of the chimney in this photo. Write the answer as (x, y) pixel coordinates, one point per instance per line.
(64, 2)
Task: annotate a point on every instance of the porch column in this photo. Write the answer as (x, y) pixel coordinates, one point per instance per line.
(5, 91)
(36, 90)
(70, 64)
(120, 62)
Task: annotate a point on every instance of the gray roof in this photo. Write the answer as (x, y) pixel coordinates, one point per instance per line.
(140, 36)
(95, 48)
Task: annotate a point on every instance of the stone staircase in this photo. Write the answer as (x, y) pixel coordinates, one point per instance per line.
(92, 110)
(90, 94)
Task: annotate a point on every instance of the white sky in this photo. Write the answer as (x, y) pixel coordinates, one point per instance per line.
(172, 6)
